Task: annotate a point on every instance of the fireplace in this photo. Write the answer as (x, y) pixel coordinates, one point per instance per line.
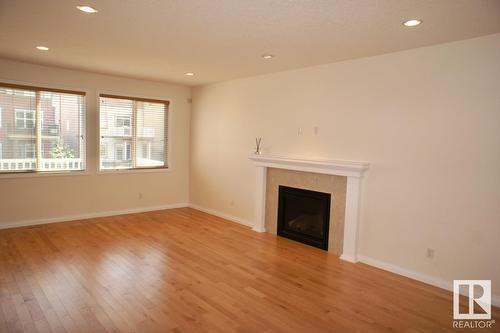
(304, 216)
(342, 179)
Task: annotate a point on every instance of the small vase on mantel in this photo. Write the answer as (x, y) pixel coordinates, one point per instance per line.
(258, 149)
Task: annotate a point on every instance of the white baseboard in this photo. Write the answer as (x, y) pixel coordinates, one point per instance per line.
(348, 258)
(222, 215)
(434, 281)
(26, 223)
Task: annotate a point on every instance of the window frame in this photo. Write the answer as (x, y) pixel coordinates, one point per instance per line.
(24, 119)
(31, 148)
(168, 137)
(122, 119)
(47, 87)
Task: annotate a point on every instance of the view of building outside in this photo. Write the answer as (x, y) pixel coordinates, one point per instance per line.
(132, 134)
(26, 145)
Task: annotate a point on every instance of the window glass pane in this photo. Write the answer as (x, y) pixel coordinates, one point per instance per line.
(55, 144)
(62, 146)
(151, 134)
(116, 133)
(17, 131)
(132, 133)
(116, 114)
(116, 153)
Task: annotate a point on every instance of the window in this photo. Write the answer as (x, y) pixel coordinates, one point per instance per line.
(135, 130)
(104, 150)
(25, 119)
(122, 121)
(33, 138)
(28, 151)
(122, 124)
(123, 152)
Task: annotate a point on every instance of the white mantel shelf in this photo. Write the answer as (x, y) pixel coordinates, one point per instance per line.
(352, 170)
(338, 168)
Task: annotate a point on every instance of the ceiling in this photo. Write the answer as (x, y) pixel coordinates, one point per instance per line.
(225, 39)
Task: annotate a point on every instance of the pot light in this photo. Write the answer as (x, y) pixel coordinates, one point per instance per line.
(189, 74)
(412, 23)
(42, 48)
(267, 56)
(87, 9)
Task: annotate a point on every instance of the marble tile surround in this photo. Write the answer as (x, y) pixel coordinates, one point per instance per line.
(335, 185)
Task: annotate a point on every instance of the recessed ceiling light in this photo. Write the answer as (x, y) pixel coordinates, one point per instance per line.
(267, 56)
(42, 48)
(412, 23)
(87, 9)
(189, 74)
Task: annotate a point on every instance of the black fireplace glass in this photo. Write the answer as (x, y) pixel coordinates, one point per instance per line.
(304, 216)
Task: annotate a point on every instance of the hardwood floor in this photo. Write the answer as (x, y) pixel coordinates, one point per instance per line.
(182, 270)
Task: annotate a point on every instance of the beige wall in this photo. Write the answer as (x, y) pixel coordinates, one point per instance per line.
(428, 121)
(24, 199)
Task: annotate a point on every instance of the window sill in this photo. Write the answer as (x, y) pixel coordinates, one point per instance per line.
(139, 170)
(43, 174)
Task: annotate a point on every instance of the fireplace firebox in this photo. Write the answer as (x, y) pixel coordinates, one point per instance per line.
(304, 216)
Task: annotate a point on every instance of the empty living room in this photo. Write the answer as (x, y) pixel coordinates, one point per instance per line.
(250, 166)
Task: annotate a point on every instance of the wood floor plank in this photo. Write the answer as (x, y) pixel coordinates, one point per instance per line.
(182, 270)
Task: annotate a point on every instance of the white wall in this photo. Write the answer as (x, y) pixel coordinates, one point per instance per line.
(428, 121)
(47, 197)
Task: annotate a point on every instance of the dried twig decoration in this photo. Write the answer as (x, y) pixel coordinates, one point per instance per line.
(257, 146)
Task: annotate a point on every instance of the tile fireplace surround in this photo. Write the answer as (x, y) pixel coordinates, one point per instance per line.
(353, 171)
(335, 186)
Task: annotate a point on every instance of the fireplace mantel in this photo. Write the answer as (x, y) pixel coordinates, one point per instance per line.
(352, 170)
(337, 168)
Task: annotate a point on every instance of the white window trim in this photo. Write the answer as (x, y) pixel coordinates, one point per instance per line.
(34, 174)
(170, 142)
(137, 170)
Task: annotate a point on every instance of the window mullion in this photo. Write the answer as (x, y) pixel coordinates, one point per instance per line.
(166, 144)
(38, 130)
(134, 135)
